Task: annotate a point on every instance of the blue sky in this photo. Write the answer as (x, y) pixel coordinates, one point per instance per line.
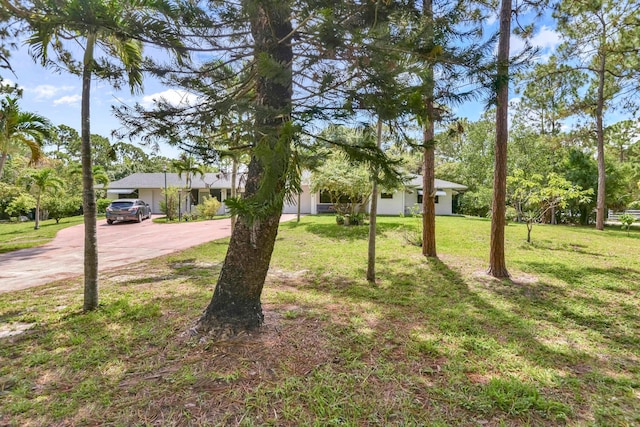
(57, 95)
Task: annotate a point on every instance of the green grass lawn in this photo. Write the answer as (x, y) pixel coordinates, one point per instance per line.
(434, 342)
(21, 235)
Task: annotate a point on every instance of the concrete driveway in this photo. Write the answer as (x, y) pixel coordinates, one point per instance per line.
(118, 244)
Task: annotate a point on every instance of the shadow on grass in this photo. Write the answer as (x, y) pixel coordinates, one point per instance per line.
(354, 232)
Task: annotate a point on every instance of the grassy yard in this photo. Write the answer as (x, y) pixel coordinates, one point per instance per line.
(21, 235)
(435, 342)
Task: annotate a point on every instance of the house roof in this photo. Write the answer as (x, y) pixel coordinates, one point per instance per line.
(156, 180)
(416, 182)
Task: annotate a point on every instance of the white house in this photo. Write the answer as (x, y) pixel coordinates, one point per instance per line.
(149, 187)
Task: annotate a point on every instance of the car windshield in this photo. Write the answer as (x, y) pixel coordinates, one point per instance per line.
(121, 205)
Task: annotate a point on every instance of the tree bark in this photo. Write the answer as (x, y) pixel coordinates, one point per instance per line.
(88, 193)
(373, 214)
(37, 218)
(236, 299)
(3, 161)
(497, 264)
(428, 173)
(600, 200)
(234, 176)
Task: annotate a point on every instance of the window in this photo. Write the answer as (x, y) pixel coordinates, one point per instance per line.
(420, 198)
(217, 193)
(324, 197)
(386, 195)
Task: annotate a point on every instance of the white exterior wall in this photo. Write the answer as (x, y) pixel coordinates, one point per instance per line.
(393, 206)
(305, 203)
(444, 205)
(147, 195)
(410, 199)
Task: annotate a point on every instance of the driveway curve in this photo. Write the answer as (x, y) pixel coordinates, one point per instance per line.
(118, 245)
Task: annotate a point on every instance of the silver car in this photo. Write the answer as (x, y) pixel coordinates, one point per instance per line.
(128, 210)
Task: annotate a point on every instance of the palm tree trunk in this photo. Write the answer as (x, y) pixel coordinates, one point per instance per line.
(88, 199)
(497, 264)
(37, 224)
(236, 299)
(3, 160)
(373, 215)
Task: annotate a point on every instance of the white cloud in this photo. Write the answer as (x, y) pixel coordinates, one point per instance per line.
(69, 99)
(49, 91)
(491, 19)
(172, 96)
(546, 40)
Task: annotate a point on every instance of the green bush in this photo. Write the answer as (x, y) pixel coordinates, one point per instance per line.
(170, 208)
(102, 205)
(21, 205)
(626, 220)
(62, 207)
(209, 207)
(511, 214)
(635, 205)
(476, 203)
(8, 193)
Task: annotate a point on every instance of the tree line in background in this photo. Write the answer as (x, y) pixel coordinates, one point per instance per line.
(267, 76)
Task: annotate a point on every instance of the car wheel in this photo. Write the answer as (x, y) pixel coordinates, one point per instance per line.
(109, 221)
(139, 218)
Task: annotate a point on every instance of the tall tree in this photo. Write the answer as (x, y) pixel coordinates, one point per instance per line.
(605, 36)
(497, 263)
(236, 299)
(20, 129)
(40, 182)
(104, 30)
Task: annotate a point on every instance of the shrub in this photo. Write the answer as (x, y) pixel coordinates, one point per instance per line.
(511, 214)
(21, 205)
(102, 205)
(476, 203)
(635, 205)
(340, 219)
(170, 208)
(626, 220)
(62, 207)
(209, 207)
(8, 193)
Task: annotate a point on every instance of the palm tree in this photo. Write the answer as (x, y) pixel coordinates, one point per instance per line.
(40, 181)
(187, 164)
(96, 26)
(20, 128)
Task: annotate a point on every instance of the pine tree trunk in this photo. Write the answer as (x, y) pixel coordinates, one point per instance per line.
(428, 177)
(88, 194)
(600, 200)
(497, 264)
(234, 175)
(428, 196)
(236, 299)
(373, 214)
